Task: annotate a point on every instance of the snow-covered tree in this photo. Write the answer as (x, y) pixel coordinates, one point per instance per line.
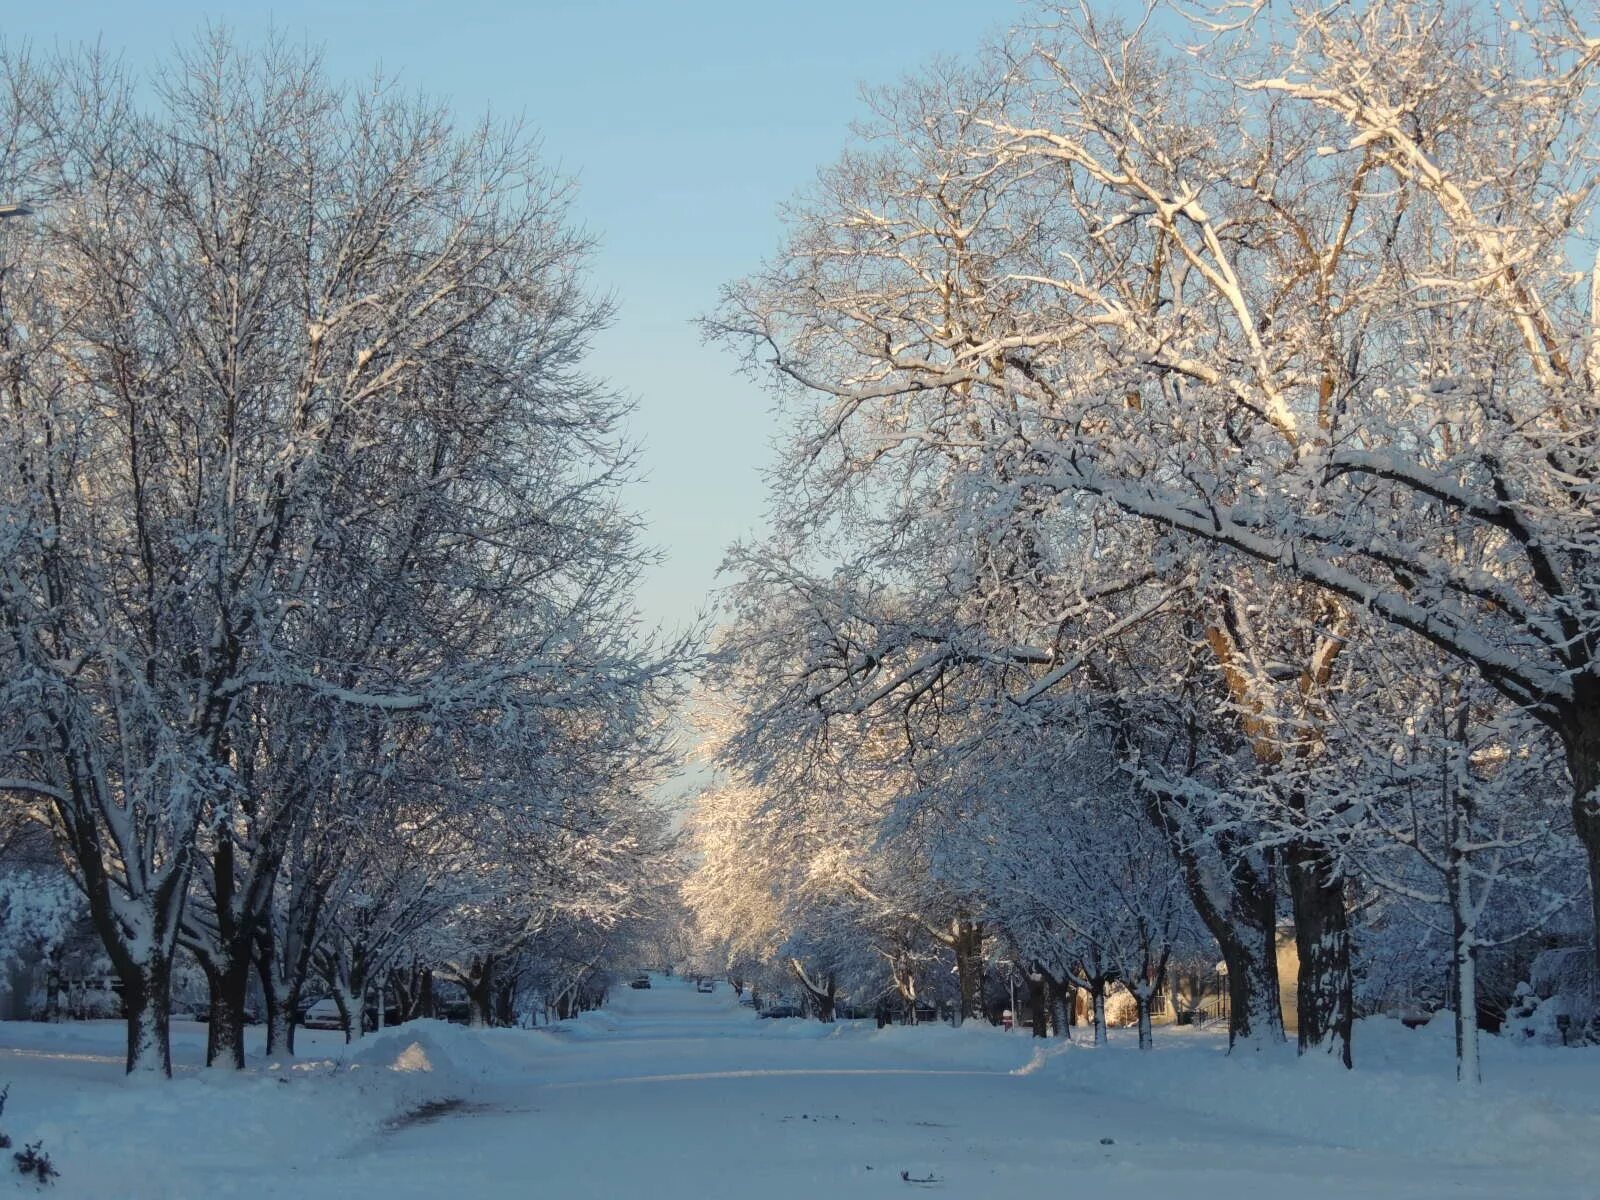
(1315, 305)
(296, 424)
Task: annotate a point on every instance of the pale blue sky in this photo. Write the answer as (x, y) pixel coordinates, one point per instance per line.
(687, 124)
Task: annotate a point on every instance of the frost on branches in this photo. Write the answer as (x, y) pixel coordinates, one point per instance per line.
(1172, 396)
(315, 586)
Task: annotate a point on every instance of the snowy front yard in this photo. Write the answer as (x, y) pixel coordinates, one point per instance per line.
(673, 1094)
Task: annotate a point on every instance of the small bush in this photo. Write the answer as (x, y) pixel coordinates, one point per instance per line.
(33, 1161)
(30, 1160)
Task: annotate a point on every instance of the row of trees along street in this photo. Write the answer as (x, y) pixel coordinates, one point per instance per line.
(318, 658)
(1188, 511)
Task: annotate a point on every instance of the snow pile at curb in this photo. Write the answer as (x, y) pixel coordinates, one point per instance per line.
(586, 1026)
(425, 1061)
(1402, 1098)
(133, 1139)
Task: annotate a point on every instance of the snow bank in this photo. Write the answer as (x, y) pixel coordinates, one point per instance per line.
(586, 1026)
(112, 1136)
(425, 1061)
(1402, 1098)
(208, 1133)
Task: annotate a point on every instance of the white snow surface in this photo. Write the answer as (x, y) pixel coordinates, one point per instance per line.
(672, 1093)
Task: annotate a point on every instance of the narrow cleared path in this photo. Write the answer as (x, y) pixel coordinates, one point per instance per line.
(675, 1093)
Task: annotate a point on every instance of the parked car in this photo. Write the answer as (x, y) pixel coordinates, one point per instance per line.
(706, 985)
(782, 1010)
(324, 1014)
(640, 981)
(392, 1016)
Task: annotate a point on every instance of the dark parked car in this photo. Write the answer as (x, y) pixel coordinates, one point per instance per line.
(324, 1014)
(706, 985)
(640, 981)
(782, 1010)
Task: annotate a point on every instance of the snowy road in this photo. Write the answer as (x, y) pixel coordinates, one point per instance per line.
(684, 1095)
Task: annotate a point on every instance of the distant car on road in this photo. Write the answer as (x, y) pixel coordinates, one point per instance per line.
(781, 1010)
(640, 981)
(324, 1014)
(706, 985)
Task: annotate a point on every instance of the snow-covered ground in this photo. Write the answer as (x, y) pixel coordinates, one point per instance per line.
(671, 1093)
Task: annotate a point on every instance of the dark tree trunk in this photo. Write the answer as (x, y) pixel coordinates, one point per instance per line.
(147, 996)
(505, 1003)
(1234, 892)
(230, 953)
(291, 1013)
(1581, 739)
(403, 984)
(272, 1002)
(1322, 937)
(1063, 1010)
(52, 989)
(1038, 1004)
(1097, 1002)
(225, 1029)
(1058, 1006)
(967, 942)
(1245, 925)
(826, 1003)
(143, 964)
(426, 1006)
(819, 997)
(480, 993)
(349, 1018)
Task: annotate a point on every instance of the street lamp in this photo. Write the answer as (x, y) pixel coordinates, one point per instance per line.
(15, 210)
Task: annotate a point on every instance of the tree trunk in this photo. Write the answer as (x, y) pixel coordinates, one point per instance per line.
(52, 990)
(1322, 936)
(229, 951)
(820, 997)
(147, 995)
(1241, 914)
(1141, 1000)
(272, 1001)
(1039, 1004)
(1466, 980)
(826, 1006)
(906, 983)
(1061, 1010)
(1058, 1003)
(1097, 997)
(1581, 738)
(291, 1014)
(505, 997)
(480, 993)
(225, 1030)
(426, 1006)
(967, 942)
(348, 1017)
